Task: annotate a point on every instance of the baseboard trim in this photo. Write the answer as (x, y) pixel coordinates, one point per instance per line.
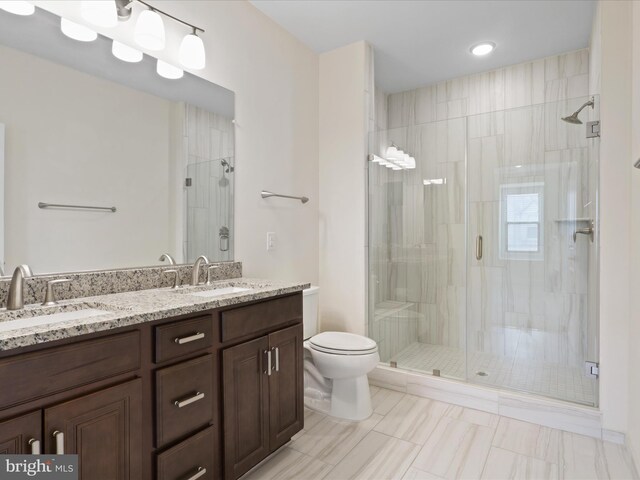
(530, 408)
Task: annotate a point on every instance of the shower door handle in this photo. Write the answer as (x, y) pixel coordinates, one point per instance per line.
(584, 231)
(479, 247)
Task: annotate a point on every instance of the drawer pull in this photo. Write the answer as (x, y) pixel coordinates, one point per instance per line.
(277, 358)
(59, 436)
(35, 446)
(188, 401)
(200, 471)
(189, 339)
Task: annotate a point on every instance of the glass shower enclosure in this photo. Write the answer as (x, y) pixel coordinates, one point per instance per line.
(483, 258)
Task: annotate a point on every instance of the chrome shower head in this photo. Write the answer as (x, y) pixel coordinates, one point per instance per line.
(573, 118)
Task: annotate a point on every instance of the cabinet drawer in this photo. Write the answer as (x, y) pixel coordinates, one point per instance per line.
(260, 317)
(45, 372)
(180, 338)
(188, 459)
(184, 398)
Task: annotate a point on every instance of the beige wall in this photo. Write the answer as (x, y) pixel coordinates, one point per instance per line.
(633, 439)
(343, 133)
(615, 198)
(275, 79)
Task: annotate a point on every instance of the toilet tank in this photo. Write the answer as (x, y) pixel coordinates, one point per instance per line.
(310, 304)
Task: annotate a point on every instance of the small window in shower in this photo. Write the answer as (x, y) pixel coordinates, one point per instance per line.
(521, 226)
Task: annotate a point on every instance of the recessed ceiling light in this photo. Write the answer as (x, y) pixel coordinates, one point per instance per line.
(483, 48)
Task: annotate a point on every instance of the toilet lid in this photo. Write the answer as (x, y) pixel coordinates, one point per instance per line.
(343, 342)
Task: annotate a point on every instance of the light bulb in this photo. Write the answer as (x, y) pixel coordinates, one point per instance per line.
(125, 52)
(482, 49)
(77, 31)
(149, 31)
(167, 70)
(17, 7)
(192, 52)
(101, 13)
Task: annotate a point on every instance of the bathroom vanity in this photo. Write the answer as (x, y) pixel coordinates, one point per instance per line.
(165, 383)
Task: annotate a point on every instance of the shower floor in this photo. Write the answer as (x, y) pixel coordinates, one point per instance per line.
(552, 380)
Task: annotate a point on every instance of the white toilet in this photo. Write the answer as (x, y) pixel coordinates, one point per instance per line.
(336, 366)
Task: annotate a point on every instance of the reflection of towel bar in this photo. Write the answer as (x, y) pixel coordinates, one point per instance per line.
(82, 207)
(266, 194)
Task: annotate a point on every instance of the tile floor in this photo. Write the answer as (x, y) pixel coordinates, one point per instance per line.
(415, 438)
(522, 374)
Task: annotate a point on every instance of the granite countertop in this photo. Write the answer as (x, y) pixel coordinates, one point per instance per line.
(18, 328)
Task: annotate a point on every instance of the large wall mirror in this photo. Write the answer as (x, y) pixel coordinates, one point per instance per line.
(79, 127)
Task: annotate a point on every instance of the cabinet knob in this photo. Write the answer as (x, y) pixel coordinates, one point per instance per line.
(59, 437)
(35, 446)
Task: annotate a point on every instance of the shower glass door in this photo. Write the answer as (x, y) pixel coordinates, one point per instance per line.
(531, 261)
(417, 296)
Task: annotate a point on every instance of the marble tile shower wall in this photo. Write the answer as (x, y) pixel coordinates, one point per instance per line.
(506, 125)
(209, 138)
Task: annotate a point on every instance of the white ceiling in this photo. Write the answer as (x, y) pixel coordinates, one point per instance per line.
(423, 42)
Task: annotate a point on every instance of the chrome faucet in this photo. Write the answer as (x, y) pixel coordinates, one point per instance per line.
(15, 298)
(195, 275)
(168, 258)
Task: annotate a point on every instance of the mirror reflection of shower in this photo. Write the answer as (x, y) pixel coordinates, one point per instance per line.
(226, 168)
(573, 118)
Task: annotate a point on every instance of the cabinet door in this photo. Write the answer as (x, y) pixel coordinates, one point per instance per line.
(246, 406)
(104, 428)
(286, 402)
(21, 435)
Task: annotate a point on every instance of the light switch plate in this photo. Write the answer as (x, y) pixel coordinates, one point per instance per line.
(271, 241)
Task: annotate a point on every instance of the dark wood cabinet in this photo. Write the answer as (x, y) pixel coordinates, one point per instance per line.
(104, 428)
(22, 435)
(286, 384)
(246, 406)
(192, 458)
(263, 397)
(184, 399)
(206, 395)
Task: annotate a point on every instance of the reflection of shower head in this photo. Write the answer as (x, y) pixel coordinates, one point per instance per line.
(573, 118)
(228, 165)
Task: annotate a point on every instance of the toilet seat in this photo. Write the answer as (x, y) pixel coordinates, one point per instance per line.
(341, 343)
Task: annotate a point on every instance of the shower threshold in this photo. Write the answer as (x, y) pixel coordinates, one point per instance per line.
(560, 382)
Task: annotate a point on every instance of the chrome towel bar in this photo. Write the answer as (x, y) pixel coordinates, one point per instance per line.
(82, 207)
(266, 194)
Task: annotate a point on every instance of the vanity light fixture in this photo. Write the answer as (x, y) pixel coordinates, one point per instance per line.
(101, 13)
(482, 49)
(149, 30)
(192, 51)
(76, 31)
(17, 7)
(167, 70)
(125, 52)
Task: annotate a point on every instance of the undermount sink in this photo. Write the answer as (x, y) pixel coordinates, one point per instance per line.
(33, 317)
(216, 292)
